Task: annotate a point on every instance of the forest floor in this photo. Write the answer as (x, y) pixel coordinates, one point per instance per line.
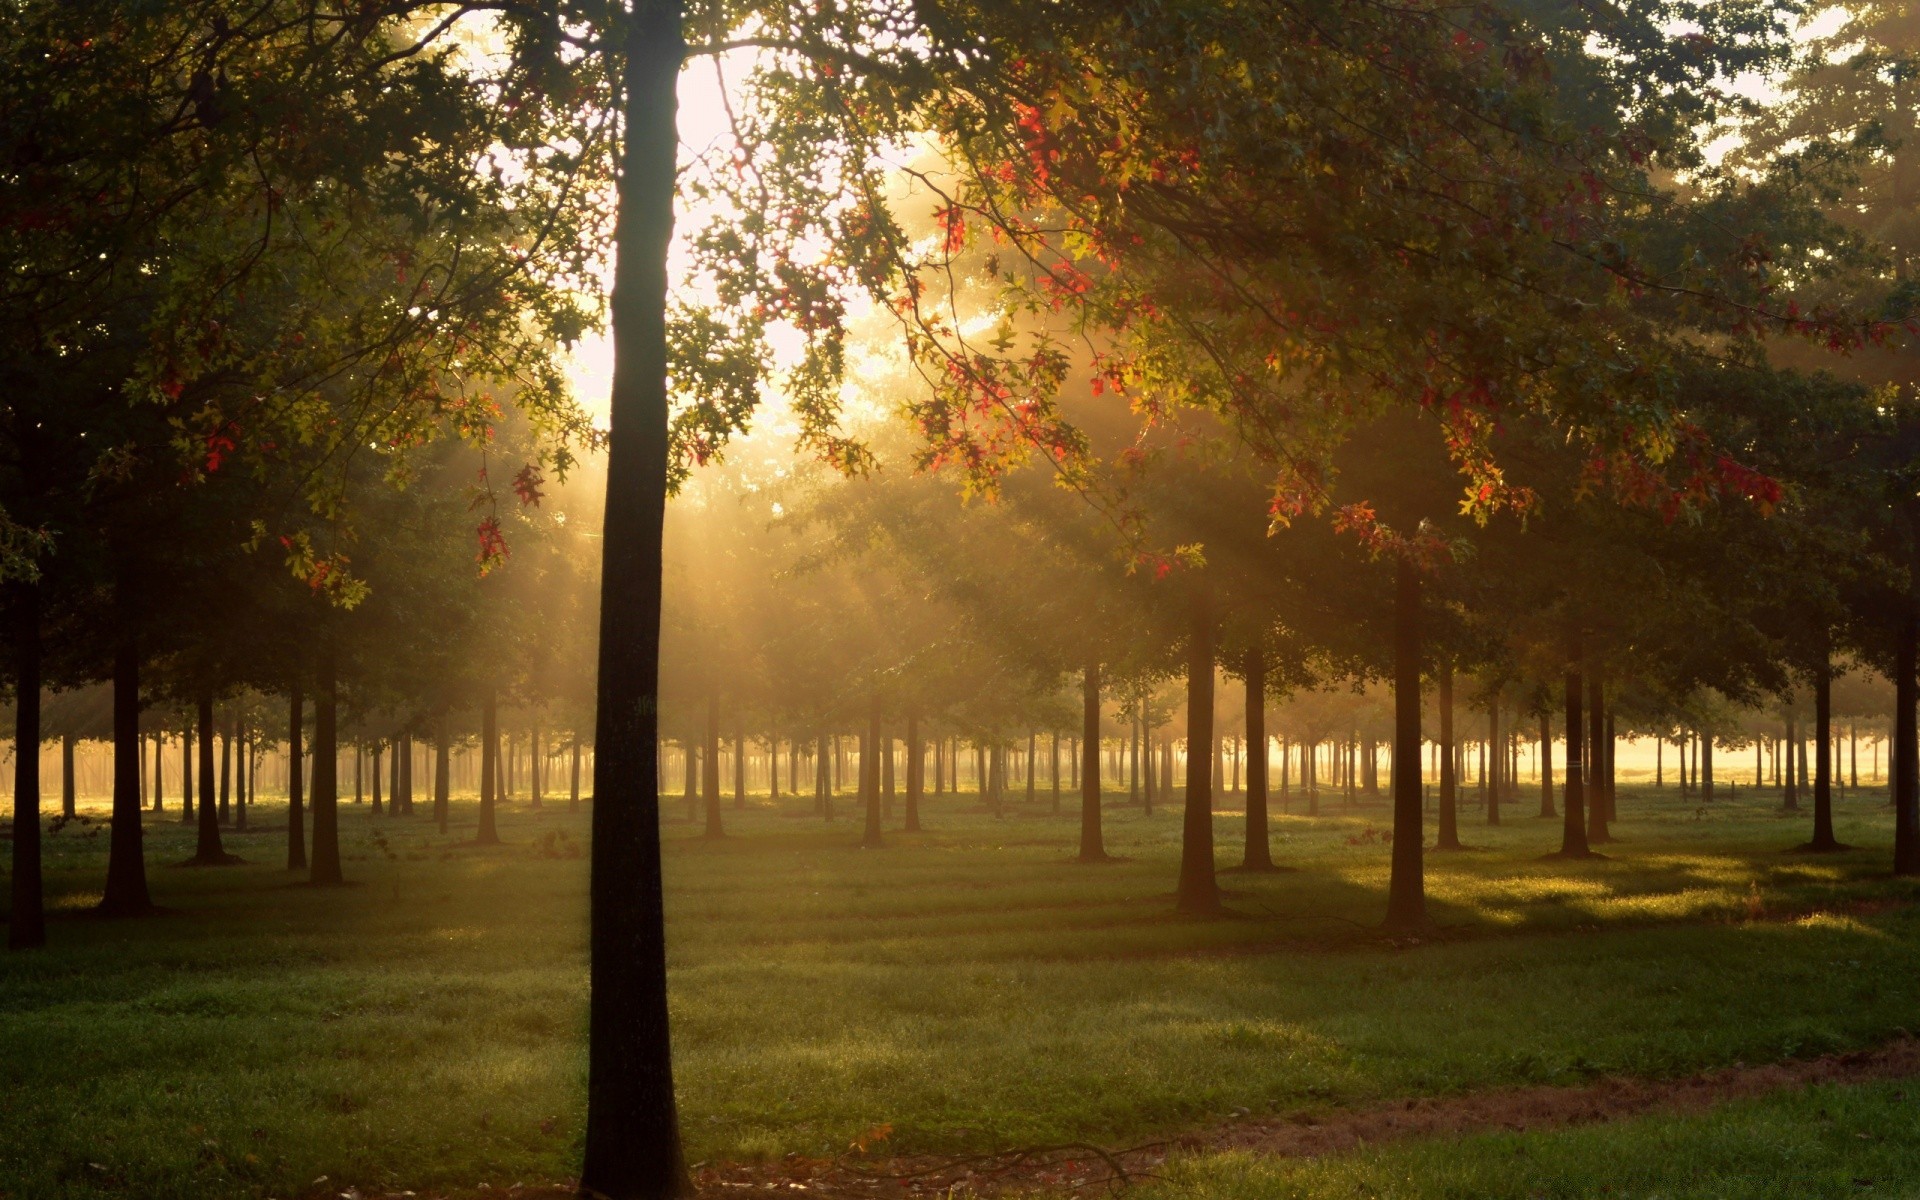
(969, 990)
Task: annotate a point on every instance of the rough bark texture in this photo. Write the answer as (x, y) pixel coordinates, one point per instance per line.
(632, 1147)
(1406, 885)
(1199, 891)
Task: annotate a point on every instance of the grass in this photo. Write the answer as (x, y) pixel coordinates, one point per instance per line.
(970, 986)
(1827, 1141)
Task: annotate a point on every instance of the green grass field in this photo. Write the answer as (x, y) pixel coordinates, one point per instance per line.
(970, 987)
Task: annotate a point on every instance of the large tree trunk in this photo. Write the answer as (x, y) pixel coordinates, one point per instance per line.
(632, 1128)
(1199, 891)
(1906, 749)
(1406, 885)
(296, 799)
(1597, 757)
(326, 777)
(870, 774)
(68, 800)
(1573, 835)
(1706, 766)
(208, 852)
(1448, 836)
(26, 919)
(1259, 853)
(489, 833)
(1092, 845)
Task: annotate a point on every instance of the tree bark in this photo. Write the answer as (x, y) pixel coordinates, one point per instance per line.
(1259, 852)
(1906, 750)
(208, 852)
(1597, 756)
(573, 786)
(1199, 891)
(226, 776)
(1546, 766)
(870, 774)
(1448, 837)
(326, 777)
(1823, 839)
(916, 773)
(68, 800)
(26, 918)
(442, 771)
(296, 799)
(1092, 846)
(489, 833)
(1573, 836)
(1406, 885)
(1496, 762)
(632, 1147)
(710, 769)
(126, 893)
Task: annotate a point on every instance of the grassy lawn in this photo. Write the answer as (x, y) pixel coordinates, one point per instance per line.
(968, 986)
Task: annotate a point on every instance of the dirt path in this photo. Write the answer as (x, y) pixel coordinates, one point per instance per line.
(1094, 1170)
(1087, 1168)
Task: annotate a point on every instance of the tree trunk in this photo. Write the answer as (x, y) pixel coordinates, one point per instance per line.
(226, 776)
(1823, 839)
(296, 799)
(1259, 852)
(489, 833)
(126, 893)
(68, 799)
(442, 772)
(186, 776)
(1092, 845)
(1448, 837)
(1706, 766)
(739, 767)
(26, 918)
(1573, 837)
(1406, 885)
(1597, 756)
(208, 852)
(916, 773)
(870, 774)
(326, 777)
(1546, 766)
(1906, 750)
(573, 784)
(710, 769)
(1496, 763)
(632, 1147)
(242, 774)
(1199, 891)
(159, 748)
(376, 777)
